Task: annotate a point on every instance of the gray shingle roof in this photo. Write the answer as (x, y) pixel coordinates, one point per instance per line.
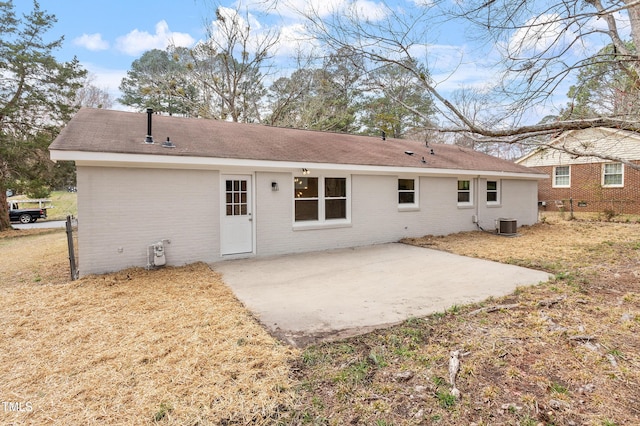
(108, 131)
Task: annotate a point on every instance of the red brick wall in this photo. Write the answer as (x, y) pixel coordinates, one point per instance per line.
(586, 188)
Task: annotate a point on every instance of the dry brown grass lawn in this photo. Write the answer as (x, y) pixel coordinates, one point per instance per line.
(566, 352)
(172, 345)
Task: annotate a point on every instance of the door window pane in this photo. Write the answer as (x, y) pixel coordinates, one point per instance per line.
(236, 198)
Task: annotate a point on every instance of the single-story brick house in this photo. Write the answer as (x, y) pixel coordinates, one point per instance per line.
(591, 184)
(223, 190)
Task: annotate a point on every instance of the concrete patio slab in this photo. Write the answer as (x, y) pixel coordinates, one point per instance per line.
(306, 297)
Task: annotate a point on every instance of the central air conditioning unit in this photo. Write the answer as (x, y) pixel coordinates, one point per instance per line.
(506, 226)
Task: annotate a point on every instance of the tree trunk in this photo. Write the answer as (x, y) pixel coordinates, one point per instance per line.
(5, 224)
(634, 20)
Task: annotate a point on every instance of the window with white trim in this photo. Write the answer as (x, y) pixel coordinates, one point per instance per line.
(306, 198)
(493, 192)
(335, 198)
(320, 199)
(562, 176)
(464, 193)
(613, 175)
(407, 192)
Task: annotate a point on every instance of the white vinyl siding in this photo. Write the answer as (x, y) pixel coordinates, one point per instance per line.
(616, 143)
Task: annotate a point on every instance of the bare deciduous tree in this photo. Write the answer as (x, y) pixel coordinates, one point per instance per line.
(232, 64)
(537, 42)
(90, 95)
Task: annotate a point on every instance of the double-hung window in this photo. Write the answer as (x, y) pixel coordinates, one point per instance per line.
(464, 193)
(562, 177)
(407, 193)
(335, 198)
(613, 175)
(306, 198)
(320, 199)
(493, 192)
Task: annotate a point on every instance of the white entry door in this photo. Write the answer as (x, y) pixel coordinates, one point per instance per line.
(236, 234)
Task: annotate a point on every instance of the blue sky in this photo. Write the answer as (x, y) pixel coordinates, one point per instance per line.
(108, 35)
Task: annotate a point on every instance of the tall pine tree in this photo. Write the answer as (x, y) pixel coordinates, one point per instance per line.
(35, 98)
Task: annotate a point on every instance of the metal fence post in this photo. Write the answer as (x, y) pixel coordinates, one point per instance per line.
(72, 253)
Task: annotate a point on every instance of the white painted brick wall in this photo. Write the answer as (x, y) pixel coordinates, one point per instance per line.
(518, 200)
(123, 210)
(375, 217)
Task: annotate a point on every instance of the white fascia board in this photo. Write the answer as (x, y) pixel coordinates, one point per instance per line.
(101, 159)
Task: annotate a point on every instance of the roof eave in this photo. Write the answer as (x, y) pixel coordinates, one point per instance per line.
(101, 159)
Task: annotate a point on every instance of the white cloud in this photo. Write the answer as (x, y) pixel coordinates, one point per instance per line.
(597, 29)
(92, 42)
(453, 67)
(322, 8)
(369, 10)
(292, 38)
(295, 39)
(294, 9)
(138, 41)
(425, 3)
(622, 22)
(539, 34)
(468, 75)
(106, 78)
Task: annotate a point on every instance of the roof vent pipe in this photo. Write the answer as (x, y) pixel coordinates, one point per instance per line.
(149, 138)
(168, 143)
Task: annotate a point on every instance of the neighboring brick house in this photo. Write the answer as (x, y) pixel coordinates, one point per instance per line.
(590, 183)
